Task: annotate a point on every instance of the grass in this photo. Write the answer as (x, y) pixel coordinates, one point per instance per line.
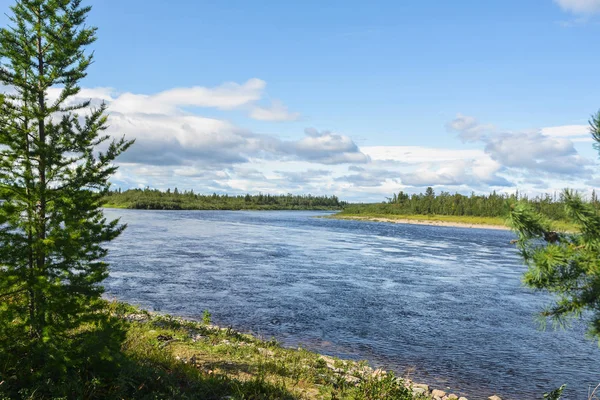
(164, 357)
(225, 362)
(108, 205)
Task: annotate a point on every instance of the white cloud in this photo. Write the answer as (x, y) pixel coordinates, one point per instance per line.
(468, 128)
(536, 151)
(327, 148)
(419, 154)
(176, 146)
(426, 166)
(225, 97)
(566, 131)
(178, 101)
(276, 112)
(579, 6)
(168, 134)
(549, 150)
(575, 133)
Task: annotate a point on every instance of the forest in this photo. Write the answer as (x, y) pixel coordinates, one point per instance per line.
(153, 199)
(445, 203)
(494, 205)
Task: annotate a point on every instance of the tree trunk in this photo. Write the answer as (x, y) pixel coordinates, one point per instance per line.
(41, 206)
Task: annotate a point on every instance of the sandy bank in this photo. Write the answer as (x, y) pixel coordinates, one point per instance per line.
(422, 222)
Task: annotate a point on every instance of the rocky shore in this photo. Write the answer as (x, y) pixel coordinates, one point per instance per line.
(228, 341)
(420, 390)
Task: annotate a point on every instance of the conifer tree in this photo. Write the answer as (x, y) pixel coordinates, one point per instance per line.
(564, 264)
(55, 162)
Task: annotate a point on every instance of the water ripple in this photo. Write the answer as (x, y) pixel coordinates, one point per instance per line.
(445, 303)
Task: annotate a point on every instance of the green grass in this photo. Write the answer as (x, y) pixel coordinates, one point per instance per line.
(245, 367)
(108, 205)
(164, 357)
(458, 219)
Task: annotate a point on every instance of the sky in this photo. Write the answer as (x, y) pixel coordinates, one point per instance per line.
(352, 98)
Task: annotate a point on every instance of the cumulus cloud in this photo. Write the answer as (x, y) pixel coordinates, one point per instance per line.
(468, 128)
(549, 150)
(581, 7)
(228, 96)
(537, 152)
(373, 177)
(168, 134)
(419, 166)
(185, 139)
(566, 131)
(176, 146)
(276, 112)
(473, 173)
(326, 147)
(576, 133)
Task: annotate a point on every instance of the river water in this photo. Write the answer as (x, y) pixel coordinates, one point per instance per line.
(445, 305)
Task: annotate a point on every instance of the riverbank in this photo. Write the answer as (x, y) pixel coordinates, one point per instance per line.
(239, 365)
(445, 220)
(435, 220)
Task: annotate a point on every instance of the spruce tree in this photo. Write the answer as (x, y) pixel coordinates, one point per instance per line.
(55, 162)
(565, 264)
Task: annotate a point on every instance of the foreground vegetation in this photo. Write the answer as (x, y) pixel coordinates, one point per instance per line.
(152, 199)
(165, 357)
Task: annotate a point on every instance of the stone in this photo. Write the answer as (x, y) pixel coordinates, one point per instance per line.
(494, 397)
(419, 390)
(438, 393)
(198, 337)
(462, 398)
(421, 386)
(452, 396)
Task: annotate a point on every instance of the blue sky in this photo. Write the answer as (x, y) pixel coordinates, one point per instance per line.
(359, 99)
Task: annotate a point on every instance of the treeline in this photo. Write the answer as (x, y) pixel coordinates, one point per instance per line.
(152, 199)
(445, 203)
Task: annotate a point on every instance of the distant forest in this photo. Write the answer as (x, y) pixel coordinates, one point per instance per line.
(444, 203)
(428, 203)
(152, 199)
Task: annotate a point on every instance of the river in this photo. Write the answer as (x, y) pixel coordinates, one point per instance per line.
(445, 305)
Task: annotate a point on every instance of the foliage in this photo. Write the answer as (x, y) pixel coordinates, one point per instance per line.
(206, 317)
(555, 394)
(52, 181)
(493, 205)
(153, 199)
(566, 265)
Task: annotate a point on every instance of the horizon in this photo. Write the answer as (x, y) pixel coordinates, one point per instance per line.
(349, 99)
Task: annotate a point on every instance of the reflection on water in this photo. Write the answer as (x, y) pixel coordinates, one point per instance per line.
(446, 301)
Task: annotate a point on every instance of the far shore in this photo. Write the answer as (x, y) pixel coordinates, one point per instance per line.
(410, 221)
